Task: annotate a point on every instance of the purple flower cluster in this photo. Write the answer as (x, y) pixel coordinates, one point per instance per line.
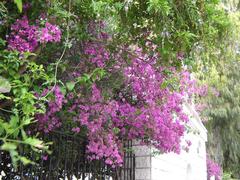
(180, 56)
(188, 84)
(200, 107)
(145, 108)
(110, 121)
(95, 114)
(203, 90)
(26, 38)
(27, 6)
(161, 109)
(157, 114)
(190, 87)
(50, 121)
(50, 33)
(215, 92)
(96, 49)
(213, 169)
(23, 36)
(97, 53)
(105, 147)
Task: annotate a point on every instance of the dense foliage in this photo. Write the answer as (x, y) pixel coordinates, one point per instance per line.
(223, 100)
(224, 111)
(110, 71)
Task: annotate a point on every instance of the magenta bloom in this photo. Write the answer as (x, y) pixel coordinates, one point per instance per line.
(50, 33)
(26, 38)
(23, 37)
(49, 121)
(213, 169)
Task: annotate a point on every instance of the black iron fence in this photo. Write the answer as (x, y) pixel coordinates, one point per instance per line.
(67, 162)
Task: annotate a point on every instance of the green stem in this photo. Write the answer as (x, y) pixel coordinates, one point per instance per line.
(63, 53)
(13, 140)
(2, 109)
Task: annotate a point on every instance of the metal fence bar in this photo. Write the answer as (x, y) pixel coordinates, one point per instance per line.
(68, 160)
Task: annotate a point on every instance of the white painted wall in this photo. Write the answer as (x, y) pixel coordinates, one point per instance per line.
(186, 166)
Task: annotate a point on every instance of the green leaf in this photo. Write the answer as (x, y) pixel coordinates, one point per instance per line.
(5, 86)
(1, 127)
(19, 5)
(159, 6)
(85, 79)
(2, 42)
(8, 146)
(24, 135)
(14, 157)
(14, 121)
(70, 85)
(7, 127)
(116, 130)
(98, 73)
(25, 161)
(2, 96)
(14, 125)
(34, 142)
(63, 90)
(27, 121)
(28, 109)
(27, 54)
